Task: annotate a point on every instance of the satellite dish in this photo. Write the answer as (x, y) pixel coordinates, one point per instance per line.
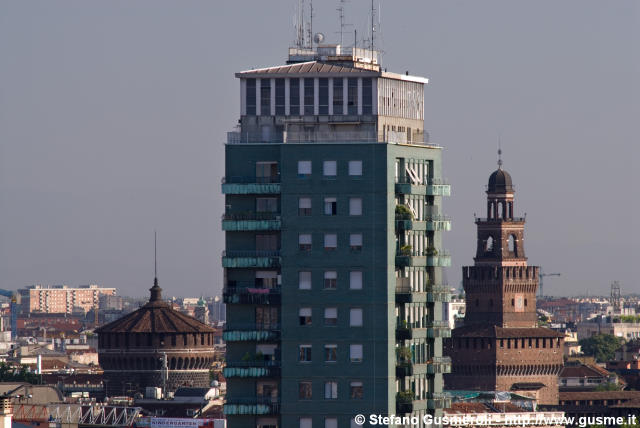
(318, 38)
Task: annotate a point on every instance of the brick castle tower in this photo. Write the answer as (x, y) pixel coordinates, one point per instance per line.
(500, 347)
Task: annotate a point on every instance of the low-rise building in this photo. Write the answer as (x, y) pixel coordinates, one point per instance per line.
(608, 325)
(576, 376)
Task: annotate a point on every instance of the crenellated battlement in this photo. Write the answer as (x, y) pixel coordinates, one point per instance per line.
(500, 272)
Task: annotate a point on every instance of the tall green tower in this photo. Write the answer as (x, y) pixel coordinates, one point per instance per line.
(333, 259)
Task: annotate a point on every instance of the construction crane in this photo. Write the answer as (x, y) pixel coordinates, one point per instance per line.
(542, 275)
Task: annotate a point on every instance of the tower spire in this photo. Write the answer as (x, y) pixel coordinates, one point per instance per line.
(156, 291)
(499, 154)
(155, 258)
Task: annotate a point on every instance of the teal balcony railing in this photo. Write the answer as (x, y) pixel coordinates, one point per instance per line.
(251, 221)
(250, 259)
(408, 257)
(239, 185)
(431, 187)
(251, 332)
(439, 223)
(252, 406)
(259, 368)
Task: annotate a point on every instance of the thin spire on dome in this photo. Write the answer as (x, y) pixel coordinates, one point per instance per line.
(499, 154)
(156, 291)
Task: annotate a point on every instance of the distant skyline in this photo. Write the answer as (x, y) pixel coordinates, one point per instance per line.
(113, 118)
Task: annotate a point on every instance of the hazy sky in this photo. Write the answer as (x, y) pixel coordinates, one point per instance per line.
(113, 117)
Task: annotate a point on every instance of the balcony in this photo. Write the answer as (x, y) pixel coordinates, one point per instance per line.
(432, 330)
(430, 224)
(430, 187)
(251, 333)
(259, 368)
(252, 406)
(407, 403)
(250, 259)
(432, 294)
(250, 294)
(238, 185)
(428, 258)
(251, 221)
(439, 365)
(438, 400)
(438, 329)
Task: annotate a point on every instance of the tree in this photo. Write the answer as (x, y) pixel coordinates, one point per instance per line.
(601, 346)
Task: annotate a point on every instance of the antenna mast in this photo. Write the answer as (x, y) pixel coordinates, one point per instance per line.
(373, 11)
(311, 24)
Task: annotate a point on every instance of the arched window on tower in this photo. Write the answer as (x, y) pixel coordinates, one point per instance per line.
(511, 245)
(488, 246)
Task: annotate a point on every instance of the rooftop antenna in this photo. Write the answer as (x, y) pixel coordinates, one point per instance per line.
(340, 10)
(300, 33)
(373, 29)
(310, 29)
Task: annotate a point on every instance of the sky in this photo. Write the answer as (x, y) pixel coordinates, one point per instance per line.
(113, 118)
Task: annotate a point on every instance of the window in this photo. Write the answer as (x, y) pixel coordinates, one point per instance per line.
(355, 206)
(355, 167)
(355, 241)
(304, 391)
(323, 95)
(330, 353)
(355, 353)
(330, 280)
(304, 169)
(304, 206)
(330, 316)
(266, 318)
(352, 95)
(304, 353)
(267, 205)
(367, 96)
(329, 168)
(305, 423)
(308, 96)
(330, 241)
(251, 97)
(280, 97)
(330, 206)
(305, 316)
(355, 390)
(267, 242)
(294, 97)
(266, 279)
(331, 390)
(304, 242)
(338, 95)
(330, 423)
(265, 97)
(355, 317)
(304, 280)
(355, 280)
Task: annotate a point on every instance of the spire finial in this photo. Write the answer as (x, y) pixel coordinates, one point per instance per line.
(499, 154)
(155, 258)
(156, 291)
